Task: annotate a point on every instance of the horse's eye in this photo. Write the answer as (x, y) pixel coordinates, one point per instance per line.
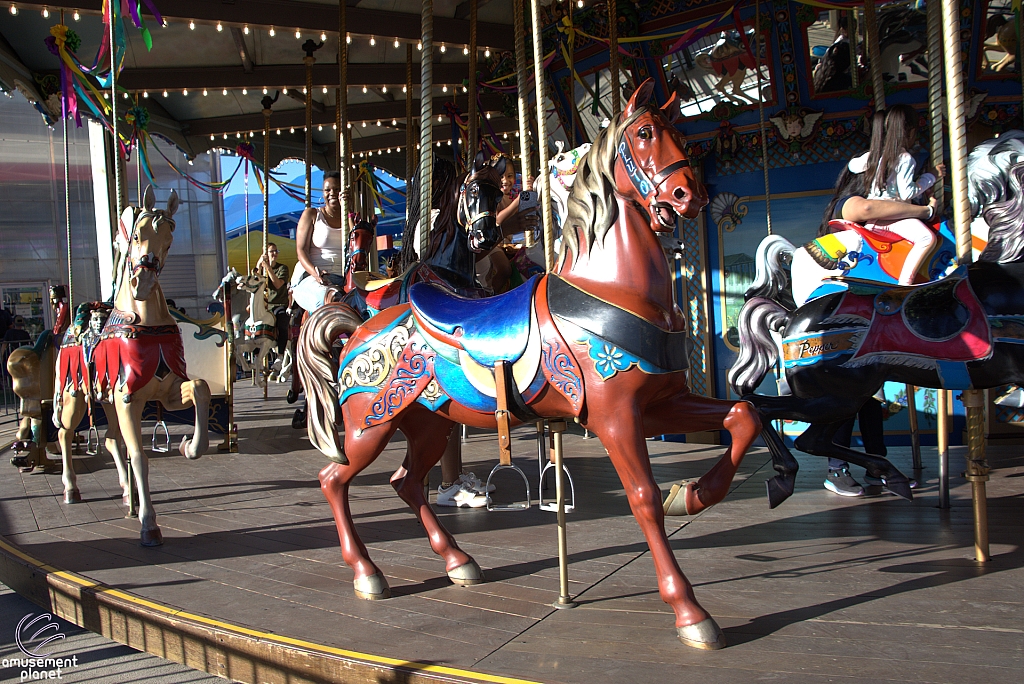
(646, 133)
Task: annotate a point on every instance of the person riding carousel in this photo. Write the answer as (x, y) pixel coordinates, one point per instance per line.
(495, 270)
(319, 248)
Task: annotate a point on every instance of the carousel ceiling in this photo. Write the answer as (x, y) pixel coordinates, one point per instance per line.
(213, 61)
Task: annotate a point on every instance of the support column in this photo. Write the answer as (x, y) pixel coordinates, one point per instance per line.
(410, 136)
(309, 47)
(472, 113)
(542, 137)
(522, 86)
(874, 55)
(426, 132)
(344, 165)
(613, 55)
(101, 208)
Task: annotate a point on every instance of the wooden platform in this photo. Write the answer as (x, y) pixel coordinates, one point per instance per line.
(250, 583)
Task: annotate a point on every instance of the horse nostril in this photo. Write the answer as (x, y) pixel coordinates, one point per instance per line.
(679, 193)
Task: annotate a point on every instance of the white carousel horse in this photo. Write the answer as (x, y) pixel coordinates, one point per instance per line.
(260, 332)
(562, 170)
(138, 357)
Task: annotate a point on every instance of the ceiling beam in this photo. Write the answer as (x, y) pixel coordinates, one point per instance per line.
(463, 8)
(313, 17)
(243, 49)
(299, 97)
(288, 118)
(397, 138)
(280, 76)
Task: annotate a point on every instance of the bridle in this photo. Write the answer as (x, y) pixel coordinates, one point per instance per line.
(132, 266)
(647, 187)
(464, 208)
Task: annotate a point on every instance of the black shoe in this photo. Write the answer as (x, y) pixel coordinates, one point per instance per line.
(299, 419)
(292, 397)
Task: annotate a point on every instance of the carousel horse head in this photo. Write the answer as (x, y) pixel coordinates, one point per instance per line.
(360, 240)
(144, 237)
(652, 164)
(478, 205)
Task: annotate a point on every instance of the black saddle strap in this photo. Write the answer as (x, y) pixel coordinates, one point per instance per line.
(666, 350)
(516, 404)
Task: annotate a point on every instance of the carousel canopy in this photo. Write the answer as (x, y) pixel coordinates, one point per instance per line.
(211, 64)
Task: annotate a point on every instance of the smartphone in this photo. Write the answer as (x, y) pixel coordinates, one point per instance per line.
(527, 200)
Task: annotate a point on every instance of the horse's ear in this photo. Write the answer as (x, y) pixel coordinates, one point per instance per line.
(149, 199)
(172, 204)
(671, 108)
(480, 161)
(640, 98)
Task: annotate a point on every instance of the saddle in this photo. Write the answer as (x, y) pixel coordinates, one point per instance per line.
(494, 332)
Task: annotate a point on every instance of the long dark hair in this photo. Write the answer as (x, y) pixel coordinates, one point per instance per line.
(849, 184)
(443, 186)
(900, 121)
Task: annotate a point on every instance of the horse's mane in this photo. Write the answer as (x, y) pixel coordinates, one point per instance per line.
(591, 206)
(444, 196)
(1005, 218)
(987, 167)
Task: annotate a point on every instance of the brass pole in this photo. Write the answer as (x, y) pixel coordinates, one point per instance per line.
(266, 169)
(572, 85)
(760, 113)
(472, 144)
(426, 132)
(343, 136)
(974, 402)
(874, 55)
(309, 60)
(613, 55)
(915, 434)
(851, 33)
(410, 139)
(935, 93)
(557, 427)
(338, 127)
(942, 440)
(248, 263)
(522, 87)
(542, 137)
(67, 196)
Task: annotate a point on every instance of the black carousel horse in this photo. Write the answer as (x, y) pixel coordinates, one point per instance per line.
(965, 331)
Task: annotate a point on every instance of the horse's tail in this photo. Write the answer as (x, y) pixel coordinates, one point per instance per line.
(759, 318)
(771, 279)
(318, 371)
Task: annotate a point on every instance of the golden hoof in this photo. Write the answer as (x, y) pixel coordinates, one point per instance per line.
(675, 503)
(705, 635)
(372, 588)
(467, 574)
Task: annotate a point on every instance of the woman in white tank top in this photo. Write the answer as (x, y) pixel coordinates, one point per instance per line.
(319, 247)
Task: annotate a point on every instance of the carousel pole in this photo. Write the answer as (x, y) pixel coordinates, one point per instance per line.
(426, 109)
(874, 54)
(557, 427)
(974, 400)
(935, 96)
(248, 263)
(613, 55)
(267, 111)
(472, 112)
(67, 196)
(410, 137)
(343, 137)
(522, 87)
(309, 47)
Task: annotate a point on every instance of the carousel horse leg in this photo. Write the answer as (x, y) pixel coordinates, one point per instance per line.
(113, 444)
(129, 416)
(817, 441)
(71, 413)
(782, 485)
(627, 448)
(427, 442)
(195, 393)
(335, 479)
(694, 413)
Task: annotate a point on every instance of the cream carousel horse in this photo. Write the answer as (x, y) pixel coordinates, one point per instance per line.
(138, 357)
(260, 333)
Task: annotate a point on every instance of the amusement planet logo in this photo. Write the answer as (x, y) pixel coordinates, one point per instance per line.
(37, 666)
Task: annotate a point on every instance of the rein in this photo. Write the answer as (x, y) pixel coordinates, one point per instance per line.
(647, 187)
(464, 209)
(132, 266)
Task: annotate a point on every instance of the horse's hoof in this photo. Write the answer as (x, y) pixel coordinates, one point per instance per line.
(372, 588)
(780, 488)
(291, 397)
(184, 450)
(901, 489)
(467, 574)
(675, 503)
(151, 537)
(299, 419)
(705, 635)
(72, 496)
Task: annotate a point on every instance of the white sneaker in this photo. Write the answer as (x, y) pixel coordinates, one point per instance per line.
(474, 483)
(460, 495)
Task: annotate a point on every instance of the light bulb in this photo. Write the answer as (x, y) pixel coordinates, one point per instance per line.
(443, 48)
(464, 89)
(272, 32)
(264, 91)
(225, 136)
(394, 122)
(488, 115)
(438, 143)
(383, 89)
(364, 89)
(192, 26)
(373, 41)
(389, 150)
(419, 45)
(398, 149)
(378, 122)
(184, 93)
(204, 92)
(298, 34)
(348, 39)
(224, 92)
(145, 94)
(46, 13)
(76, 16)
(580, 4)
(405, 89)
(323, 36)
(465, 50)
(320, 128)
(238, 135)
(364, 124)
(334, 127)
(444, 88)
(245, 91)
(438, 118)
(292, 130)
(284, 90)
(220, 27)
(126, 96)
(303, 90)
(245, 29)
(396, 42)
(165, 93)
(211, 137)
(14, 10)
(279, 131)
(348, 124)
(370, 153)
(517, 134)
(487, 52)
(325, 90)
(505, 136)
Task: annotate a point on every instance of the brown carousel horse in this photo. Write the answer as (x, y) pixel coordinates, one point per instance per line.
(138, 357)
(599, 340)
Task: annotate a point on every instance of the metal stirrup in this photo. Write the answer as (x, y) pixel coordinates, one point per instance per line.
(553, 504)
(92, 448)
(165, 446)
(508, 507)
(502, 418)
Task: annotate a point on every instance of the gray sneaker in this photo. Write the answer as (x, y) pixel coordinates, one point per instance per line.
(842, 483)
(879, 482)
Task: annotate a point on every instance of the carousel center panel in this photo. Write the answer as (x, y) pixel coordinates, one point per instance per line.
(250, 583)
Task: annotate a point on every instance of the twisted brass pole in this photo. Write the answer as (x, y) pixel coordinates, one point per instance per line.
(67, 194)
(542, 137)
(343, 136)
(410, 138)
(426, 110)
(874, 55)
(472, 112)
(309, 61)
(613, 55)
(522, 86)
